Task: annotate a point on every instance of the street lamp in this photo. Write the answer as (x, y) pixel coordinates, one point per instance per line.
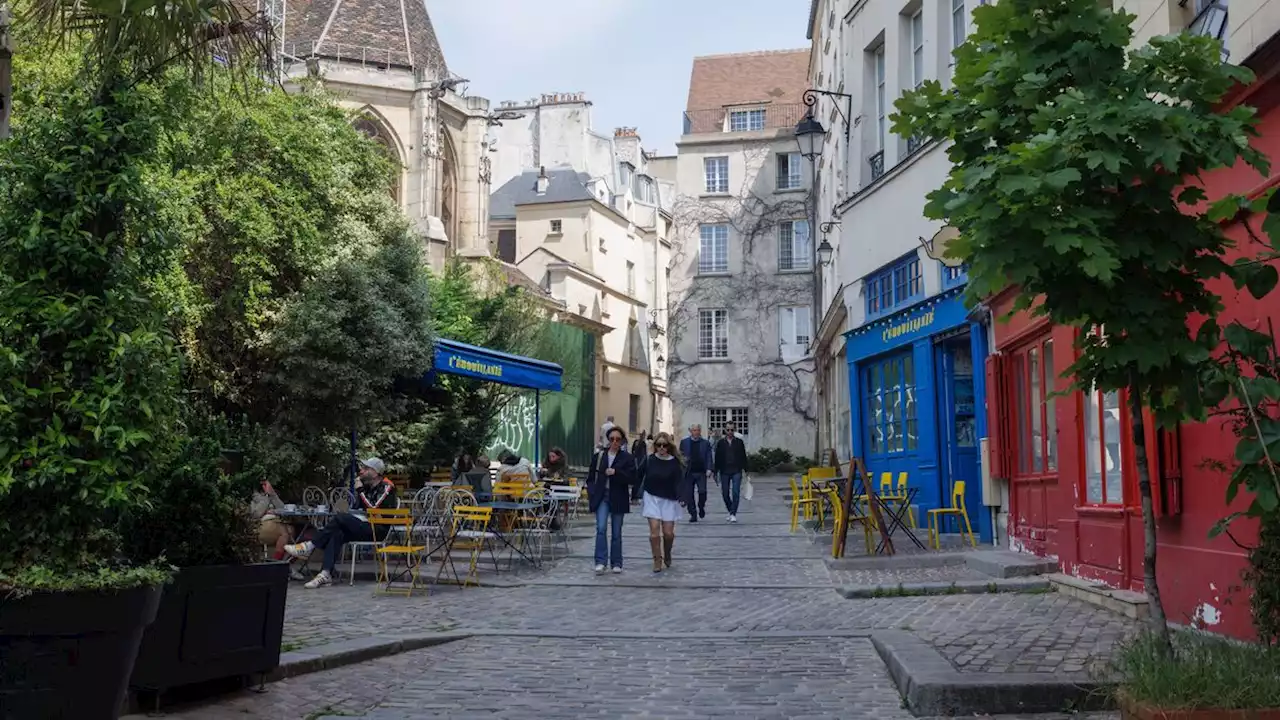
(824, 252)
(810, 136)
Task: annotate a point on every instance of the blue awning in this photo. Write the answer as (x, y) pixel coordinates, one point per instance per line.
(470, 361)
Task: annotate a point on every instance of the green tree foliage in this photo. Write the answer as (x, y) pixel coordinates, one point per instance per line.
(1070, 156)
(88, 371)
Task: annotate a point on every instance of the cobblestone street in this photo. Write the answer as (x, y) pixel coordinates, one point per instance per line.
(747, 623)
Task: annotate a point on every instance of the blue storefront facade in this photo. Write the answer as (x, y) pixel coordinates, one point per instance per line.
(916, 393)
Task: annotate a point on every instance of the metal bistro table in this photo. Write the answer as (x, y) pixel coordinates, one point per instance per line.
(510, 506)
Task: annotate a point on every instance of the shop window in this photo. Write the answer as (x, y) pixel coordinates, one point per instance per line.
(1107, 446)
(889, 405)
(1034, 428)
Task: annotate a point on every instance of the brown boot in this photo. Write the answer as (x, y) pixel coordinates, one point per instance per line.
(667, 542)
(655, 544)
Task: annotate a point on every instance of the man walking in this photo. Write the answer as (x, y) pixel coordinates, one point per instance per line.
(731, 462)
(697, 454)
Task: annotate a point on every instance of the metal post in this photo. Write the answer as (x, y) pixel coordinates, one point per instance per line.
(537, 427)
(355, 464)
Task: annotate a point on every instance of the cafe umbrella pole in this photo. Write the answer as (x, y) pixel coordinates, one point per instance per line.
(351, 487)
(537, 426)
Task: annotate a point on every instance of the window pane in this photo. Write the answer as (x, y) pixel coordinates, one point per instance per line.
(1093, 449)
(1020, 404)
(1051, 420)
(1114, 454)
(1036, 410)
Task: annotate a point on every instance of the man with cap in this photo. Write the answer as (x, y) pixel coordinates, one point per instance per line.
(375, 491)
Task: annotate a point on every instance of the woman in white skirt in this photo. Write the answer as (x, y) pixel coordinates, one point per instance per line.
(663, 499)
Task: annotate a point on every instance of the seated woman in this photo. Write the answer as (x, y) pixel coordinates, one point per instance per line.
(273, 532)
(555, 468)
(462, 465)
(375, 492)
(513, 466)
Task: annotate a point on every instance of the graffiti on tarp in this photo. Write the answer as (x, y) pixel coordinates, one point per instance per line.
(515, 426)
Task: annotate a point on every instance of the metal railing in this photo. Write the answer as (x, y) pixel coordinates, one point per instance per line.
(770, 116)
(914, 143)
(364, 56)
(876, 161)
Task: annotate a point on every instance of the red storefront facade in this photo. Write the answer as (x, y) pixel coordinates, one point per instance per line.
(1069, 460)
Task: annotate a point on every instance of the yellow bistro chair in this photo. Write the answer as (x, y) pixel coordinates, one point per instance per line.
(800, 501)
(470, 534)
(399, 530)
(897, 494)
(957, 508)
(866, 522)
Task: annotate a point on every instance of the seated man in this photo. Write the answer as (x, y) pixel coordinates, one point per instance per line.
(375, 491)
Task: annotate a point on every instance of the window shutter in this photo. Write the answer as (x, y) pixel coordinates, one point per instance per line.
(999, 417)
(1169, 448)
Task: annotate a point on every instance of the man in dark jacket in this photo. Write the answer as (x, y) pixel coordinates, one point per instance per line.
(696, 451)
(731, 462)
(375, 492)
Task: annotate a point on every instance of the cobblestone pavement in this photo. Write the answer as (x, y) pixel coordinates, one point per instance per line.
(679, 656)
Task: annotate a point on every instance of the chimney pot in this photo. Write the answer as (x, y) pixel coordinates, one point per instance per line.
(543, 180)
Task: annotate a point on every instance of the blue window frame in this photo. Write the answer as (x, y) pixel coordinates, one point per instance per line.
(954, 276)
(889, 405)
(890, 288)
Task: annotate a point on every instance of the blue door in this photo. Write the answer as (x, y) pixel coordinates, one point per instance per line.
(891, 435)
(958, 430)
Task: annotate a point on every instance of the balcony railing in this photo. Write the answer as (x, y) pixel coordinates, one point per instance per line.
(876, 161)
(743, 119)
(914, 143)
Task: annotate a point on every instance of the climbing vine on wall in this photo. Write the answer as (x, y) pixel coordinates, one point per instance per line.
(752, 294)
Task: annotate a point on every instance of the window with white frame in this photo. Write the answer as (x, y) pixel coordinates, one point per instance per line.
(794, 250)
(795, 325)
(718, 417)
(713, 249)
(713, 334)
(743, 120)
(626, 171)
(556, 227)
(881, 100)
(917, 49)
(789, 169)
(959, 26)
(716, 171)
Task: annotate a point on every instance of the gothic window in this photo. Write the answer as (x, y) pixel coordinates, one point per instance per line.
(375, 130)
(449, 186)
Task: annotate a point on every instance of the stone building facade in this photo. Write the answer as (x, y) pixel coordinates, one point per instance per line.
(383, 59)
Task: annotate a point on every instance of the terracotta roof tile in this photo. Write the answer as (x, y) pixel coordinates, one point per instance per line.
(772, 76)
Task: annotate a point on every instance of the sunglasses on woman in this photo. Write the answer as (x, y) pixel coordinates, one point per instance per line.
(662, 445)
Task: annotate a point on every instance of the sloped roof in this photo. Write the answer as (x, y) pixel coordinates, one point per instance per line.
(395, 32)
(566, 185)
(778, 76)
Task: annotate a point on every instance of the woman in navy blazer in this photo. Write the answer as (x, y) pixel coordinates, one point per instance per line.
(609, 487)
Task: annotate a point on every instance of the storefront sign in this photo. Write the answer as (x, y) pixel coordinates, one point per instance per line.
(457, 358)
(937, 314)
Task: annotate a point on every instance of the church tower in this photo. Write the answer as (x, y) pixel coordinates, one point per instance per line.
(383, 60)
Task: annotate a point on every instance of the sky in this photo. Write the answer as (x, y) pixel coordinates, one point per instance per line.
(631, 57)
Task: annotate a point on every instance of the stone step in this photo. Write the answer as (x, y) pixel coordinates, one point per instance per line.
(1126, 602)
(1007, 564)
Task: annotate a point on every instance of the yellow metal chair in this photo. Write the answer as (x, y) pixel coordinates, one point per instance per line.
(514, 489)
(838, 510)
(470, 534)
(897, 493)
(399, 530)
(957, 508)
(799, 501)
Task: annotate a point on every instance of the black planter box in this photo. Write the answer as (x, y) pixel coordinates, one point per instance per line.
(69, 654)
(221, 621)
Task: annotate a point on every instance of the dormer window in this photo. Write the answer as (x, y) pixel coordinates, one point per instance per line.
(746, 120)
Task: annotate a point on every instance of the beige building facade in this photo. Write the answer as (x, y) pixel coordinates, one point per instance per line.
(742, 280)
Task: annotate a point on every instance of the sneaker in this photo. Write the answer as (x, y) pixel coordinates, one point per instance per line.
(599, 569)
(320, 580)
(693, 518)
(300, 550)
(617, 571)
(728, 518)
(296, 574)
(702, 512)
(733, 518)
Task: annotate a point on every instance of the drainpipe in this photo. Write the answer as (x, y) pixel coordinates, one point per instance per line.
(657, 272)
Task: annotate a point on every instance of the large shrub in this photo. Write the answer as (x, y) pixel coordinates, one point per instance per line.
(88, 370)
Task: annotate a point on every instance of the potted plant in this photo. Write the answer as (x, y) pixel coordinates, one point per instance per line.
(88, 390)
(1207, 677)
(222, 616)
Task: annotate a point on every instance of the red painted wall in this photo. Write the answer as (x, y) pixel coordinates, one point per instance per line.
(1200, 579)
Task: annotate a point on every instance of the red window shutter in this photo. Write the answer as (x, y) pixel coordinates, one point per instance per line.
(1169, 456)
(999, 416)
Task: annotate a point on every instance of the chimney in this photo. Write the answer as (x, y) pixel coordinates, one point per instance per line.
(543, 181)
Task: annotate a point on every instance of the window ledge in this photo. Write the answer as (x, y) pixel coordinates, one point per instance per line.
(795, 271)
(791, 190)
(715, 195)
(714, 360)
(715, 274)
(1102, 510)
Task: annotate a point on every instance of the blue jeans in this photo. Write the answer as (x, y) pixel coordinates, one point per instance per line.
(611, 549)
(731, 489)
